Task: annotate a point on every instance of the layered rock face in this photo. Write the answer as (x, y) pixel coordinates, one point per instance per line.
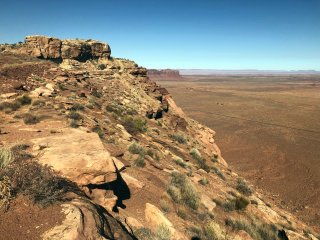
(53, 48)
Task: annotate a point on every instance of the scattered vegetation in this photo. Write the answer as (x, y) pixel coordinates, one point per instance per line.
(182, 212)
(238, 203)
(38, 103)
(144, 234)
(5, 192)
(255, 228)
(99, 131)
(210, 231)
(120, 109)
(24, 100)
(136, 148)
(39, 183)
(182, 191)
(75, 115)
(218, 172)
(243, 187)
(30, 119)
(74, 124)
(140, 162)
(165, 203)
(199, 160)
(134, 125)
(163, 232)
(204, 181)
(213, 231)
(6, 157)
(178, 138)
(179, 161)
(77, 107)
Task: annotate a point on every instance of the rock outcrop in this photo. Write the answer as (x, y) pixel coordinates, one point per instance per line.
(56, 49)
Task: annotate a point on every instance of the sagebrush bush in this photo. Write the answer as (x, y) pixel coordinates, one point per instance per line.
(163, 232)
(239, 203)
(39, 183)
(24, 100)
(196, 155)
(218, 172)
(181, 187)
(6, 157)
(204, 181)
(243, 187)
(140, 162)
(134, 125)
(136, 148)
(179, 161)
(99, 131)
(254, 227)
(5, 192)
(213, 231)
(30, 119)
(75, 115)
(144, 234)
(77, 107)
(179, 138)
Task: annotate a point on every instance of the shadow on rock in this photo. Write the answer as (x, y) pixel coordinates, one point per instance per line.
(119, 187)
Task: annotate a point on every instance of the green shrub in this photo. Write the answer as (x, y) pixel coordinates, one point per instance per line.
(180, 162)
(213, 231)
(38, 103)
(239, 203)
(254, 227)
(140, 162)
(165, 204)
(144, 234)
(99, 131)
(199, 160)
(30, 119)
(181, 186)
(77, 107)
(74, 124)
(163, 232)
(9, 106)
(134, 125)
(243, 187)
(6, 157)
(136, 148)
(218, 172)
(179, 138)
(204, 181)
(182, 212)
(75, 115)
(24, 100)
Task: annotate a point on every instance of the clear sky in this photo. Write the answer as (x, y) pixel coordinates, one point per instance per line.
(203, 34)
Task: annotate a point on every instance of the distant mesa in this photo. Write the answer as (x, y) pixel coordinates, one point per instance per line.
(56, 49)
(164, 74)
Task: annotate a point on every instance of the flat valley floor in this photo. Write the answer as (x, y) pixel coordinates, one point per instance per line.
(268, 129)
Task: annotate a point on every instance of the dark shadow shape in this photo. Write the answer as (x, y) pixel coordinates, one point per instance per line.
(282, 235)
(118, 186)
(195, 238)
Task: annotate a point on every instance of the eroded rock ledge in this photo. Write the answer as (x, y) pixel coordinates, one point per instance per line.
(56, 49)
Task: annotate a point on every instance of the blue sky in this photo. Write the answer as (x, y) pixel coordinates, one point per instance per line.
(224, 34)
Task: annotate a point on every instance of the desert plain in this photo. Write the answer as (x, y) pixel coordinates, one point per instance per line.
(268, 128)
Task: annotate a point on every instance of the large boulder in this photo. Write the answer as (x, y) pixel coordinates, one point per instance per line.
(86, 220)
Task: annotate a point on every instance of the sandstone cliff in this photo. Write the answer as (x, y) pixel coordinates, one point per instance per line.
(164, 74)
(95, 137)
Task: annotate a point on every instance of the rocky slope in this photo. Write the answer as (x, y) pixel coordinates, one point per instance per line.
(91, 136)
